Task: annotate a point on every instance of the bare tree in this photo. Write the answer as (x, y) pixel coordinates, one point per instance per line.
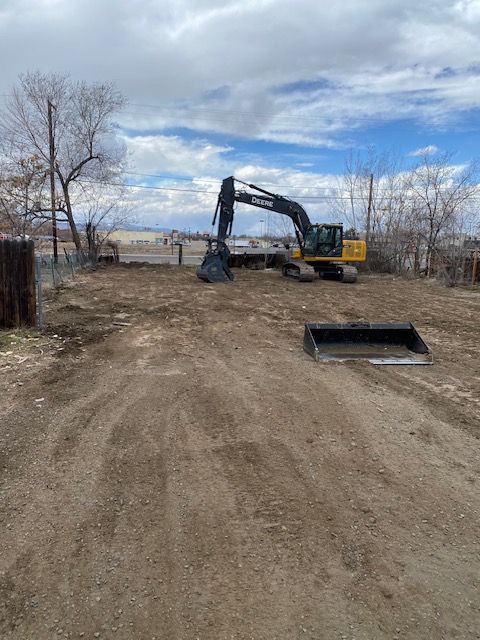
(103, 210)
(440, 194)
(85, 141)
(22, 188)
(385, 215)
(348, 205)
(282, 229)
(354, 187)
(414, 211)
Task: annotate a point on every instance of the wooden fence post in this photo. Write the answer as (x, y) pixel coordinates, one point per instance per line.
(17, 284)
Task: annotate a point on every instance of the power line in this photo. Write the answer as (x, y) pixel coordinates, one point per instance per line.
(218, 181)
(386, 190)
(341, 126)
(155, 188)
(338, 120)
(176, 189)
(258, 114)
(169, 177)
(381, 118)
(141, 186)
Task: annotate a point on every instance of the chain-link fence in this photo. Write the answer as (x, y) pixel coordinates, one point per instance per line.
(51, 272)
(55, 272)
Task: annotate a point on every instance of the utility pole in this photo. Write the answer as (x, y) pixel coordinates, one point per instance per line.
(262, 239)
(51, 143)
(369, 209)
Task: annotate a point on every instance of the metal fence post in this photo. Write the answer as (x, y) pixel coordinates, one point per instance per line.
(38, 282)
(53, 270)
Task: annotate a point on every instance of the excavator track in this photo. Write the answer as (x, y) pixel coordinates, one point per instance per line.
(349, 273)
(298, 270)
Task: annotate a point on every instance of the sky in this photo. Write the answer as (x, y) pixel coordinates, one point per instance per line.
(275, 92)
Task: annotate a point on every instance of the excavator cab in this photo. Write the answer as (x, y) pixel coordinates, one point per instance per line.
(323, 240)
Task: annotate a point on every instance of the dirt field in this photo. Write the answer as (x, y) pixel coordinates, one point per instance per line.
(174, 466)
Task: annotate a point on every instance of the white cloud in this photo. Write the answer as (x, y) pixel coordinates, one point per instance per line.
(417, 61)
(304, 73)
(158, 154)
(429, 150)
(182, 203)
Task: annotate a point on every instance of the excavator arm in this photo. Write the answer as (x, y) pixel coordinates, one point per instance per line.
(214, 267)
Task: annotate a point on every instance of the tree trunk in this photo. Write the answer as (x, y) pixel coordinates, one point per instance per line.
(92, 242)
(416, 257)
(71, 221)
(430, 248)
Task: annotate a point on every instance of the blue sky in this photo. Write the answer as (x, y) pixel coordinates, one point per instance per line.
(276, 92)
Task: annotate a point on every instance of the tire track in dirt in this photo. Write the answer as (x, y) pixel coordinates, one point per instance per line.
(196, 475)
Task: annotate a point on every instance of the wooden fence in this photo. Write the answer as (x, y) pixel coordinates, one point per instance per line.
(17, 284)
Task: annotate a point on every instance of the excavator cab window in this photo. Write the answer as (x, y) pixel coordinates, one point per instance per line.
(310, 242)
(323, 241)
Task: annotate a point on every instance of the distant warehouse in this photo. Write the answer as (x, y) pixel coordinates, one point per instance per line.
(125, 236)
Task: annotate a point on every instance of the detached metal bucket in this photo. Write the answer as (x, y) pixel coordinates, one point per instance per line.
(390, 343)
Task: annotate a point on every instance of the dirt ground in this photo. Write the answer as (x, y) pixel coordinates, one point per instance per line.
(174, 466)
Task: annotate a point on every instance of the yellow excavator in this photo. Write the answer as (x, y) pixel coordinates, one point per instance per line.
(321, 248)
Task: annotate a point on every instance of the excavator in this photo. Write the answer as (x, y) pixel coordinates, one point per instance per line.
(321, 248)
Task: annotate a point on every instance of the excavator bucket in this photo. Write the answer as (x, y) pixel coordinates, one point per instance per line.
(397, 343)
(214, 267)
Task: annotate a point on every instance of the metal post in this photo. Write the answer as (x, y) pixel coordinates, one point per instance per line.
(69, 261)
(38, 282)
(180, 253)
(52, 180)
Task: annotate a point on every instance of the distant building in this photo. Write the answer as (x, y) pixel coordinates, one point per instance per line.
(127, 237)
(239, 244)
(471, 243)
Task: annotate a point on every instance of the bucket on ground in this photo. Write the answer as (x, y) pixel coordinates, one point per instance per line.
(380, 343)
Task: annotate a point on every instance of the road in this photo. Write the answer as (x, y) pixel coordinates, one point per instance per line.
(160, 259)
(174, 466)
(188, 260)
